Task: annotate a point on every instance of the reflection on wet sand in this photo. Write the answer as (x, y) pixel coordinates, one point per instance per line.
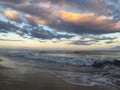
(37, 81)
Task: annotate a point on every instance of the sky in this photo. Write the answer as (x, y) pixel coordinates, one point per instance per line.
(60, 24)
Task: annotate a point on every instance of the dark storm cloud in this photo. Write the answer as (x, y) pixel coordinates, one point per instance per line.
(34, 32)
(92, 40)
(103, 7)
(80, 29)
(103, 38)
(33, 9)
(7, 27)
(94, 6)
(41, 12)
(85, 28)
(82, 42)
(97, 6)
(36, 11)
(45, 34)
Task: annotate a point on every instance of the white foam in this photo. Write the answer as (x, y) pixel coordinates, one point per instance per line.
(86, 79)
(72, 61)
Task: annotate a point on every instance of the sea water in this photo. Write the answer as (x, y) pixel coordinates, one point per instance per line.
(74, 67)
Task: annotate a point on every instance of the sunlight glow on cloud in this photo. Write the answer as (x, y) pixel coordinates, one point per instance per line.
(12, 15)
(90, 21)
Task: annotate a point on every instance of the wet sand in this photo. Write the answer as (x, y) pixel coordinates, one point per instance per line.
(39, 81)
(17, 78)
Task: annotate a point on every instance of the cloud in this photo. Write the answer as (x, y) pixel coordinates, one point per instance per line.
(45, 34)
(31, 31)
(32, 12)
(12, 15)
(90, 40)
(33, 9)
(86, 23)
(68, 21)
(82, 42)
(95, 20)
(12, 1)
(94, 6)
(104, 7)
(78, 23)
(114, 5)
(101, 7)
(7, 27)
(82, 18)
(110, 42)
(1, 39)
(35, 20)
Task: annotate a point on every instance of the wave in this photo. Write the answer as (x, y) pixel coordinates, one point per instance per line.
(95, 62)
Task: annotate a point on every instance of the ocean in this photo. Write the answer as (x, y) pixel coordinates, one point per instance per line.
(86, 68)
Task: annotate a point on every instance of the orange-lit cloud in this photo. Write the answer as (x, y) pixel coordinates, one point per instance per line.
(83, 18)
(89, 22)
(75, 18)
(12, 15)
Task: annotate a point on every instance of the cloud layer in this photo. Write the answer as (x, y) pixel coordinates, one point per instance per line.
(70, 16)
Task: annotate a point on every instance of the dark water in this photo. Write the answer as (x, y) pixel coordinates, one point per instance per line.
(95, 54)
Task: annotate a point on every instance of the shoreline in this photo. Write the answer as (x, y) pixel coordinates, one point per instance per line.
(28, 79)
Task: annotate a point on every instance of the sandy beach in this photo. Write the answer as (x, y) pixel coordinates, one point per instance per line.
(39, 81)
(13, 77)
